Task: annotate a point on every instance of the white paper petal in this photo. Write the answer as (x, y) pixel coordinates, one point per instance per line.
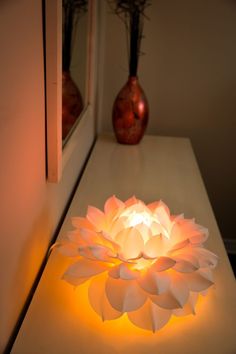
(89, 237)
(189, 258)
(108, 241)
(68, 249)
(83, 223)
(133, 244)
(112, 204)
(124, 272)
(177, 235)
(198, 281)
(163, 263)
(75, 237)
(154, 283)
(145, 231)
(85, 268)
(155, 247)
(152, 206)
(99, 302)
(116, 227)
(166, 301)
(179, 245)
(150, 317)
(122, 236)
(183, 266)
(102, 253)
(163, 215)
(124, 295)
(206, 258)
(189, 307)
(96, 217)
(179, 288)
(200, 235)
(156, 228)
(131, 201)
(86, 253)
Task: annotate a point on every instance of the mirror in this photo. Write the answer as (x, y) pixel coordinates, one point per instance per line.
(74, 63)
(73, 138)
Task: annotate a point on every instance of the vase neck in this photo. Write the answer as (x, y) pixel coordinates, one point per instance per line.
(66, 74)
(133, 79)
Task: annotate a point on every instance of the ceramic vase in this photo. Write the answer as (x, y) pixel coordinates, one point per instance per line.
(130, 113)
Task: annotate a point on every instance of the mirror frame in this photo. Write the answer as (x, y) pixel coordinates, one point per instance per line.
(83, 134)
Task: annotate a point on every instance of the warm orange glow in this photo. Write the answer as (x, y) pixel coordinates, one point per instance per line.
(122, 326)
(138, 264)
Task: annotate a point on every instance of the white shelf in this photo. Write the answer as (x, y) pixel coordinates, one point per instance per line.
(60, 320)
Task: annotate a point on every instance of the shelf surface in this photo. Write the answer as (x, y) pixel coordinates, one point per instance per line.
(60, 319)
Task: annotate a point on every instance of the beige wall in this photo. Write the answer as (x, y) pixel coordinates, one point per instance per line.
(30, 208)
(189, 75)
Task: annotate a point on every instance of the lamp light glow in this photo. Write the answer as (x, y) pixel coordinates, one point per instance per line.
(155, 263)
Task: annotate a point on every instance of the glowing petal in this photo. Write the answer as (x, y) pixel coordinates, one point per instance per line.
(180, 245)
(152, 206)
(108, 241)
(83, 223)
(154, 283)
(206, 257)
(116, 227)
(122, 236)
(200, 235)
(124, 295)
(156, 228)
(99, 302)
(150, 317)
(177, 235)
(184, 266)
(112, 204)
(189, 307)
(68, 249)
(101, 252)
(89, 237)
(162, 213)
(179, 288)
(196, 233)
(131, 201)
(131, 242)
(96, 217)
(163, 263)
(166, 301)
(189, 258)
(133, 245)
(199, 280)
(85, 268)
(124, 272)
(145, 231)
(155, 247)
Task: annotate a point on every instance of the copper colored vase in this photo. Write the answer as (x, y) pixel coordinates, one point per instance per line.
(72, 103)
(130, 113)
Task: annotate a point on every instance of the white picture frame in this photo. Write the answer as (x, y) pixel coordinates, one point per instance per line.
(82, 137)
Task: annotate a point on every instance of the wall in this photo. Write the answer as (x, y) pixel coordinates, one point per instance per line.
(188, 72)
(30, 208)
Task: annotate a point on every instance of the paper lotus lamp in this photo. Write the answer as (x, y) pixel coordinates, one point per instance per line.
(155, 264)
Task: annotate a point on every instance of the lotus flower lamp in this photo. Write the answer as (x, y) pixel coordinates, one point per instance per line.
(154, 263)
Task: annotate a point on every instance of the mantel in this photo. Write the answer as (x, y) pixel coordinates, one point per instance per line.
(60, 320)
